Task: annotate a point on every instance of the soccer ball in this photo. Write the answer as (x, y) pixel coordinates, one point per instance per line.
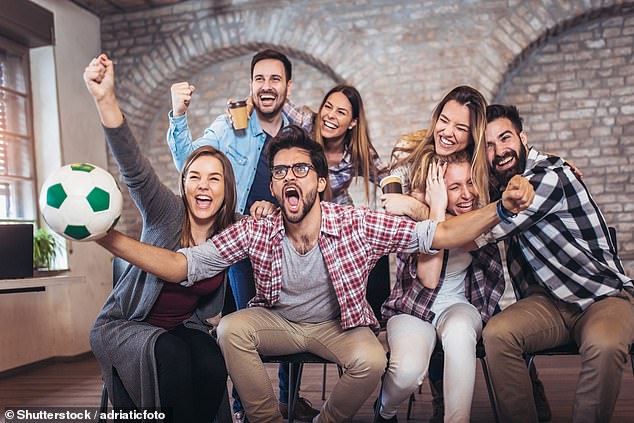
(81, 202)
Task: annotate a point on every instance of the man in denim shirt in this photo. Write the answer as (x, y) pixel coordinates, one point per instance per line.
(270, 84)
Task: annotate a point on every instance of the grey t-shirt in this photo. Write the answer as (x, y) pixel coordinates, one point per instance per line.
(307, 294)
(205, 261)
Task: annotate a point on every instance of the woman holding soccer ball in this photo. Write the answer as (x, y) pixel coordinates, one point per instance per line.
(154, 333)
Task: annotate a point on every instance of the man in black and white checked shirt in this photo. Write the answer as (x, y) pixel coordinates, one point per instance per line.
(565, 270)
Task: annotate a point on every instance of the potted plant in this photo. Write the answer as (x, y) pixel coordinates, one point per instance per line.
(44, 249)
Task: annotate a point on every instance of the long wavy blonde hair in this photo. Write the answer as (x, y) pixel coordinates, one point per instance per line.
(415, 151)
(358, 136)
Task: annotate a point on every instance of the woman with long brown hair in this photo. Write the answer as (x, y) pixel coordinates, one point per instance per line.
(152, 334)
(341, 127)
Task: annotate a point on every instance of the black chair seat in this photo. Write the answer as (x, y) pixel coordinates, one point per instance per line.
(294, 358)
(296, 366)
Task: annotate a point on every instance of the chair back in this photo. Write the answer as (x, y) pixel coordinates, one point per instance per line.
(378, 287)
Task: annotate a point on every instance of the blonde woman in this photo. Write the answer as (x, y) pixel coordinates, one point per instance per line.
(445, 296)
(458, 123)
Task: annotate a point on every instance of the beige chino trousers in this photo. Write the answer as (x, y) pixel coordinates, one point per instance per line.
(603, 333)
(245, 334)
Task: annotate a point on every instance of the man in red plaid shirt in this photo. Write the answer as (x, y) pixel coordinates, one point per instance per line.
(311, 260)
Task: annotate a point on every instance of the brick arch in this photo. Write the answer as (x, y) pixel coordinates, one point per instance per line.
(573, 88)
(526, 29)
(561, 27)
(141, 102)
(142, 89)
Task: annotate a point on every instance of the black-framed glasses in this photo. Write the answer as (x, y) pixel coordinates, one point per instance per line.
(300, 170)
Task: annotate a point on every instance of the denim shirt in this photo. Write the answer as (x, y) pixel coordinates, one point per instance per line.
(242, 147)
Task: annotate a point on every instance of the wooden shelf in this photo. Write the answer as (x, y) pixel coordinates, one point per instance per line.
(10, 286)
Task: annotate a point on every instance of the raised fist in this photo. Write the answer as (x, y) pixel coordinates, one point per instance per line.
(181, 96)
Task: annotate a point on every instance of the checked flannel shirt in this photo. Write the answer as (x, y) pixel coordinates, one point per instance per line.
(561, 241)
(340, 175)
(351, 241)
(484, 285)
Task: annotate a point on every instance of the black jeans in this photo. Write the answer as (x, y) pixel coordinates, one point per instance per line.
(191, 373)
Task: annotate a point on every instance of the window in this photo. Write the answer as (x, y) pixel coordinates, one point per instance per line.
(17, 169)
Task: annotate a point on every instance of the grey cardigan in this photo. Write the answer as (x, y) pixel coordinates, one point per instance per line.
(119, 337)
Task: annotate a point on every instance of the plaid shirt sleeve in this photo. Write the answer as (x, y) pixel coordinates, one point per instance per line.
(233, 242)
(301, 116)
(382, 170)
(387, 233)
(485, 283)
(549, 198)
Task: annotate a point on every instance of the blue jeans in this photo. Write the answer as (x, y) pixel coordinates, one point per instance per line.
(242, 283)
(243, 287)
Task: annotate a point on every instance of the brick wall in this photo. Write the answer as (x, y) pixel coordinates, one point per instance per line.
(229, 79)
(403, 56)
(576, 94)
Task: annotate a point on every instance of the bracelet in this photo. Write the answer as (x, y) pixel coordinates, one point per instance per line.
(503, 213)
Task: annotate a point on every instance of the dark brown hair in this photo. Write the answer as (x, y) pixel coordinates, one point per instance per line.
(359, 136)
(275, 55)
(226, 214)
(293, 136)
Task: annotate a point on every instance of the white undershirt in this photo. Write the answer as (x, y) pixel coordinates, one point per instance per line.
(452, 289)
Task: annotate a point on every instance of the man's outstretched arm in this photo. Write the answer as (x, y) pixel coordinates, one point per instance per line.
(463, 229)
(166, 264)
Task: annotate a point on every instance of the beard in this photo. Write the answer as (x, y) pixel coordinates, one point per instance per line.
(276, 110)
(307, 202)
(504, 176)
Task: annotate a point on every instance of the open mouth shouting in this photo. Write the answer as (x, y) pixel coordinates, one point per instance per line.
(506, 161)
(291, 198)
(203, 201)
(267, 98)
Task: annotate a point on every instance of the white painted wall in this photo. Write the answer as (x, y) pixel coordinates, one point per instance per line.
(36, 326)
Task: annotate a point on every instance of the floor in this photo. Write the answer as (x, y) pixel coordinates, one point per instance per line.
(78, 383)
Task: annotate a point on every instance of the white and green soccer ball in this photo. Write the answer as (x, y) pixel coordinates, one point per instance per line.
(81, 202)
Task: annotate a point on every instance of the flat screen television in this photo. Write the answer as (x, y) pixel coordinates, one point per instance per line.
(16, 251)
